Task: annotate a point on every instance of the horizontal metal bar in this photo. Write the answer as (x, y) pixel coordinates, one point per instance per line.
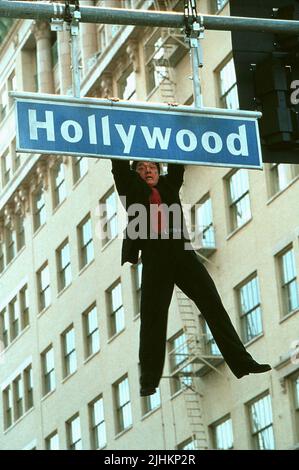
(46, 11)
(238, 113)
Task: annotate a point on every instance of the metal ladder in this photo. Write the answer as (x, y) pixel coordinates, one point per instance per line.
(195, 349)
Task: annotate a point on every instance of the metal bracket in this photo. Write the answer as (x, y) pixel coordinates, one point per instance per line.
(72, 18)
(194, 34)
(56, 24)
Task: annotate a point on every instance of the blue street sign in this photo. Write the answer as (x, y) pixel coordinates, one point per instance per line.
(103, 128)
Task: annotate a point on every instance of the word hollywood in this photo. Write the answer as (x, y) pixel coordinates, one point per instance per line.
(154, 138)
(182, 136)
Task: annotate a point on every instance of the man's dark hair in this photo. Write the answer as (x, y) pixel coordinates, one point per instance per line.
(134, 165)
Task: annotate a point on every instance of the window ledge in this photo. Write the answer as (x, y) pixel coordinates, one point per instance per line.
(13, 260)
(253, 340)
(44, 310)
(89, 358)
(4, 351)
(65, 379)
(109, 243)
(48, 394)
(121, 433)
(176, 394)
(79, 180)
(286, 317)
(115, 336)
(36, 232)
(85, 267)
(150, 412)
(238, 229)
(62, 291)
(56, 208)
(276, 195)
(136, 317)
(18, 420)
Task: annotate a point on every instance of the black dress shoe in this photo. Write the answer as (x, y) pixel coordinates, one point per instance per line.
(145, 392)
(254, 368)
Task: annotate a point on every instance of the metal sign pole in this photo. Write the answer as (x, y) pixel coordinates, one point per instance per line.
(74, 30)
(47, 11)
(194, 33)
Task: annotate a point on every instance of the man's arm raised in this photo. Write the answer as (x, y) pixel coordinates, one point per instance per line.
(175, 174)
(122, 175)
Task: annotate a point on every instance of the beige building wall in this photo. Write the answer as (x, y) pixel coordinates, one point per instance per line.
(108, 56)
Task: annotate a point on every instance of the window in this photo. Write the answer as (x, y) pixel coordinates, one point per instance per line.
(18, 392)
(14, 313)
(91, 331)
(289, 285)
(11, 244)
(228, 86)
(151, 402)
(203, 223)
(80, 167)
(52, 441)
(98, 426)
(211, 346)
(239, 201)
(2, 261)
(6, 167)
(261, 422)
(85, 242)
(48, 370)
(127, 86)
(137, 277)
(74, 433)
(24, 307)
(59, 184)
(69, 352)
(117, 317)
(250, 309)
(4, 102)
(178, 355)
(219, 4)
(109, 211)
(295, 386)
(123, 405)
(7, 407)
(39, 209)
(20, 233)
(64, 265)
(28, 383)
(44, 291)
(4, 325)
(223, 434)
(156, 66)
(189, 444)
(281, 175)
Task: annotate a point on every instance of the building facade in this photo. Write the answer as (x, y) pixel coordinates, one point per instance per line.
(69, 313)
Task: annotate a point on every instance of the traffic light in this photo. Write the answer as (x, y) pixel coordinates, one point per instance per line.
(267, 70)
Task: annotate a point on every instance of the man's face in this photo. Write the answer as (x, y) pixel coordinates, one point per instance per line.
(148, 171)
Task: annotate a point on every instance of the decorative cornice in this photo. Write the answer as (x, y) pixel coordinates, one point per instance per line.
(106, 85)
(133, 54)
(9, 217)
(42, 173)
(22, 201)
(41, 30)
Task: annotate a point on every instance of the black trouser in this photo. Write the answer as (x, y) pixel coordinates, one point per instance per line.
(166, 263)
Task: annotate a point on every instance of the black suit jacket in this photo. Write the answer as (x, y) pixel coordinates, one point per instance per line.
(136, 190)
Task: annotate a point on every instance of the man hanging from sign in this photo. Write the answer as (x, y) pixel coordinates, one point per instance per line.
(167, 262)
